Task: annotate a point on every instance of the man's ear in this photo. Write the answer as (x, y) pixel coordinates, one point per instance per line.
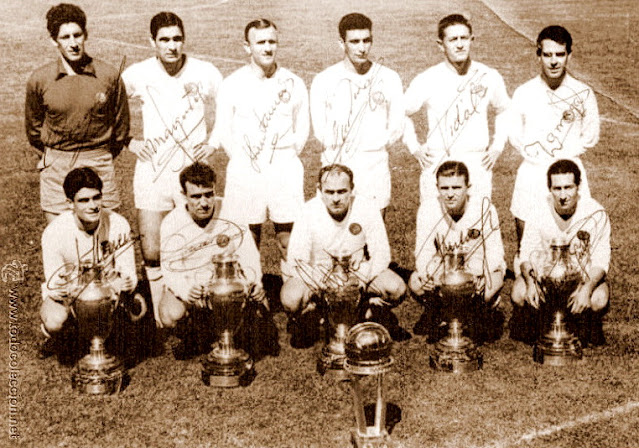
(440, 44)
(152, 42)
(247, 48)
(342, 44)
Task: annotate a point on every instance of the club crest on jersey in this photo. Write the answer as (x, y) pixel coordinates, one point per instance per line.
(100, 98)
(355, 228)
(222, 240)
(473, 234)
(568, 116)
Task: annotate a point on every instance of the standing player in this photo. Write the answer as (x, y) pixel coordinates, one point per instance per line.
(457, 93)
(262, 124)
(554, 117)
(176, 92)
(338, 222)
(457, 220)
(357, 111)
(76, 112)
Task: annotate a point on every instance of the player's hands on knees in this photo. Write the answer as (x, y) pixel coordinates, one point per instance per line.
(257, 294)
(424, 157)
(202, 151)
(378, 301)
(490, 158)
(579, 300)
(141, 150)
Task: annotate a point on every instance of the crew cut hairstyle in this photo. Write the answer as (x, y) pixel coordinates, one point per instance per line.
(65, 13)
(564, 166)
(260, 24)
(450, 20)
(80, 178)
(556, 33)
(164, 19)
(354, 21)
(453, 168)
(335, 168)
(198, 174)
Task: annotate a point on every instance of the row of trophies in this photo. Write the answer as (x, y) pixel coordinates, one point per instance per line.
(351, 351)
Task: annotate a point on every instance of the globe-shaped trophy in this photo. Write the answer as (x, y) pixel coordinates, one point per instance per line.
(455, 352)
(560, 278)
(226, 365)
(368, 354)
(340, 302)
(94, 301)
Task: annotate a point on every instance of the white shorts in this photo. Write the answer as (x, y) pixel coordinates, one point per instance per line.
(531, 187)
(371, 175)
(276, 192)
(481, 180)
(156, 191)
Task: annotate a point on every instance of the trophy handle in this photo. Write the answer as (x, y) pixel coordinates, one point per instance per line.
(143, 308)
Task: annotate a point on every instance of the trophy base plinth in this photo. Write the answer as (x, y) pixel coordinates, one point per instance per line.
(331, 364)
(371, 439)
(456, 356)
(226, 371)
(558, 353)
(98, 376)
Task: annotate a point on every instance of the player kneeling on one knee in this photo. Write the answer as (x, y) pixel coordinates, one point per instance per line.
(334, 223)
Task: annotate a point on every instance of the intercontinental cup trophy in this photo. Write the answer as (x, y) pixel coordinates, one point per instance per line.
(94, 301)
(368, 353)
(456, 353)
(560, 277)
(225, 365)
(341, 305)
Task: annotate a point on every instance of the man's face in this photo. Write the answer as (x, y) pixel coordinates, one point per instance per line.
(262, 46)
(168, 44)
(87, 206)
(453, 193)
(336, 193)
(357, 46)
(200, 201)
(456, 43)
(564, 193)
(554, 59)
(70, 41)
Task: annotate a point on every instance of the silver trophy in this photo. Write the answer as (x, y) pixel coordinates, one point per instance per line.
(340, 301)
(368, 354)
(560, 278)
(456, 353)
(94, 301)
(226, 365)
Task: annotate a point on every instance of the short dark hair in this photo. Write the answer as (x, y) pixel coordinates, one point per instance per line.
(164, 19)
(453, 168)
(335, 168)
(260, 24)
(65, 13)
(354, 21)
(564, 166)
(557, 34)
(450, 20)
(199, 174)
(79, 178)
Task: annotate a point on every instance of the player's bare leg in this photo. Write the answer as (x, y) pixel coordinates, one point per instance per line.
(149, 222)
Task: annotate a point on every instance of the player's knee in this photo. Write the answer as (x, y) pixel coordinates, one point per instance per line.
(292, 294)
(415, 284)
(395, 288)
(518, 292)
(283, 235)
(53, 315)
(600, 297)
(171, 310)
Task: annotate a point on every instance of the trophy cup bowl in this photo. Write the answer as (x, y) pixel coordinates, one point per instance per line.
(342, 313)
(97, 373)
(225, 365)
(455, 352)
(557, 346)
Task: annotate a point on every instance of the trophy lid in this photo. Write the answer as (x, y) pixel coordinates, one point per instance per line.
(368, 348)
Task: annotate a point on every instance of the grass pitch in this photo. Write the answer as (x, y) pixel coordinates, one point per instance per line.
(511, 403)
